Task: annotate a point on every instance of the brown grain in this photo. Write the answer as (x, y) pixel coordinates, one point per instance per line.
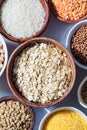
(79, 45)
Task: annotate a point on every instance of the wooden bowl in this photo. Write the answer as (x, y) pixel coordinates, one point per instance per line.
(11, 98)
(10, 68)
(60, 18)
(3, 32)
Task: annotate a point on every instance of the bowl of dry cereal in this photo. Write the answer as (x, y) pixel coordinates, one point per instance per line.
(23, 20)
(15, 115)
(69, 11)
(41, 72)
(76, 43)
(3, 55)
(64, 118)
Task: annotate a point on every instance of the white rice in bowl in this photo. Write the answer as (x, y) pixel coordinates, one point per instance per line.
(22, 18)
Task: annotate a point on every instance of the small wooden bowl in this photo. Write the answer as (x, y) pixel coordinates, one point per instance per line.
(10, 68)
(60, 18)
(11, 98)
(3, 32)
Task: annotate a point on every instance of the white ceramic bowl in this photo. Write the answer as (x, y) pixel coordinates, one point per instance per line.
(6, 54)
(59, 109)
(69, 37)
(79, 93)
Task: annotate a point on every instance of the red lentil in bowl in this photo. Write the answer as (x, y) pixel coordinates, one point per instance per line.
(69, 10)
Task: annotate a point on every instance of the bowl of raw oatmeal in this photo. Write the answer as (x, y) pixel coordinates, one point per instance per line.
(41, 72)
(14, 115)
(23, 20)
(3, 55)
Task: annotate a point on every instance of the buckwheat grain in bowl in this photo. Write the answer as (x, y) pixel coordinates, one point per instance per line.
(41, 72)
(69, 10)
(77, 43)
(15, 115)
(21, 20)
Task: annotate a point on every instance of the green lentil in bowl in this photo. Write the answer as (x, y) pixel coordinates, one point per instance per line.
(84, 92)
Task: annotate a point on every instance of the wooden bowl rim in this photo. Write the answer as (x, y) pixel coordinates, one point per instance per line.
(38, 33)
(9, 69)
(9, 98)
(60, 18)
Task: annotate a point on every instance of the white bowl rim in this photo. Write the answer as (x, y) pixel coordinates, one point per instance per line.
(80, 100)
(69, 36)
(6, 54)
(59, 109)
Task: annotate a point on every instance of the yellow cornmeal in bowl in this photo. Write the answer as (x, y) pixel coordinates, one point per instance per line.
(65, 120)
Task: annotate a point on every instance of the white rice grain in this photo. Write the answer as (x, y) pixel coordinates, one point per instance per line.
(22, 18)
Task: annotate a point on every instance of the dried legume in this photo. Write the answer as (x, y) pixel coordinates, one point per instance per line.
(70, 9)
(42, 73)
(14, 116)
(79, 45)
(2, 56)
(65, 120)
(84, 92)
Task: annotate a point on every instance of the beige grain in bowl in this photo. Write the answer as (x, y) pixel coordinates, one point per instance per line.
(41, 72)
(21, 20)
(3, 55)
(64, 118)
(15, 115)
